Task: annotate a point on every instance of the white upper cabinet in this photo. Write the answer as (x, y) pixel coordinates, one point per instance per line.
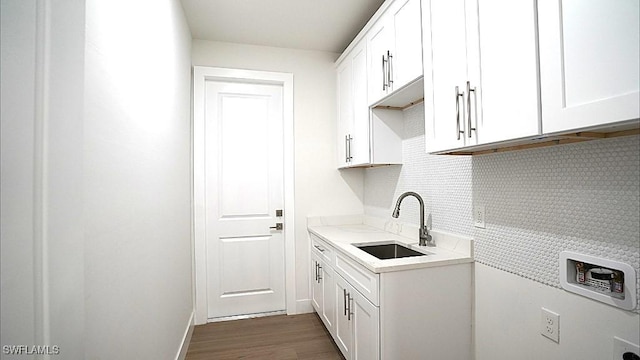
(407, 64)
(503, 70)
(589, 63)
(361, 137)
(353, 109)
(395, 49)
(365, 137)
(445, 73)
(379, 42)
(345, 110)
(379, 74)
(481, 79)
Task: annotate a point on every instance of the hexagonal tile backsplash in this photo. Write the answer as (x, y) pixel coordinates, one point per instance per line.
(582, 197)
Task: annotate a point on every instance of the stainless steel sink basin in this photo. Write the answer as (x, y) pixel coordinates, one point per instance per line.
(388, 251)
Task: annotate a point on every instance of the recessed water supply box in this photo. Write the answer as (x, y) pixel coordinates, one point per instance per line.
(608, 281)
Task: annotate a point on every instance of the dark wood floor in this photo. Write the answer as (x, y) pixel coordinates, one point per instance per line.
(279, 337)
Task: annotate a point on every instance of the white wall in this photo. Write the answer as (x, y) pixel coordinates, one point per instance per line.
(42, 105)
(579, 197)
(137, 192)
(319, 187)
(507, 322)
(96, 248)
(17, 44)
(62, 167)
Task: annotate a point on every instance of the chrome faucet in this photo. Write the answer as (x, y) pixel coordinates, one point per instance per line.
(425, 238)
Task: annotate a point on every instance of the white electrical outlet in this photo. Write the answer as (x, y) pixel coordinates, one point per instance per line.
(478, 216)
(550, 324)
(622, 348)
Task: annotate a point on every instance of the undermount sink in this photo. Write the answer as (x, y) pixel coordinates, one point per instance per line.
(388, 251)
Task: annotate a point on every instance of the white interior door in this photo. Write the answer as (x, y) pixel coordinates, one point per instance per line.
(244, 188)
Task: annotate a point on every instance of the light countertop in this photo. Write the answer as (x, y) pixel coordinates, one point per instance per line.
(341, 232)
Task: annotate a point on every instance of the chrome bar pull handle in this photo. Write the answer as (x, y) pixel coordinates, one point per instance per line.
(469, 90)
(319, 248)
(458, 95)
(344, 297)
(346, 149)
(390, 68)
(349, 313)
(384, 72)
(319, 273)
(316, 270)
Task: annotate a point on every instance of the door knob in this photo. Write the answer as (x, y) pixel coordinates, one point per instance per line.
(278, 226)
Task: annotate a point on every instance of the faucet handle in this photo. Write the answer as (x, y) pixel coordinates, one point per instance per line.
(429, 238)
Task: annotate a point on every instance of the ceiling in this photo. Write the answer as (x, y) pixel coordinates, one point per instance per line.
(325, 25)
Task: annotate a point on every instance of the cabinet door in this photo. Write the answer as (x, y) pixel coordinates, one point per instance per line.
(445, 73)
(343, 325)
(366, 331)
(379, 40)
(327, 280)
(589, 62)
(316, 285)
(360, 133)
(345, 110)
(502, 66)
(406, 61)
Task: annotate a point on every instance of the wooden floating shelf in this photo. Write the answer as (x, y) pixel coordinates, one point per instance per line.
(404, 107)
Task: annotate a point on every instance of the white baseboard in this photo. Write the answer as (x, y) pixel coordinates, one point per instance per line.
(303, 306)
(186, 339)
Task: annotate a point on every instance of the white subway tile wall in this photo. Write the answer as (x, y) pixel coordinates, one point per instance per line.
(581, 197)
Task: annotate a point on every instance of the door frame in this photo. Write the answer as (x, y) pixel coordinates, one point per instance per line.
(201, 74)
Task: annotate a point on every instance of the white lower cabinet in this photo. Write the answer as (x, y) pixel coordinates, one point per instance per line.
(316, 284)
(322, 291)
(421, 313)
(343, 329)
(327, 279)
(357, 324)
